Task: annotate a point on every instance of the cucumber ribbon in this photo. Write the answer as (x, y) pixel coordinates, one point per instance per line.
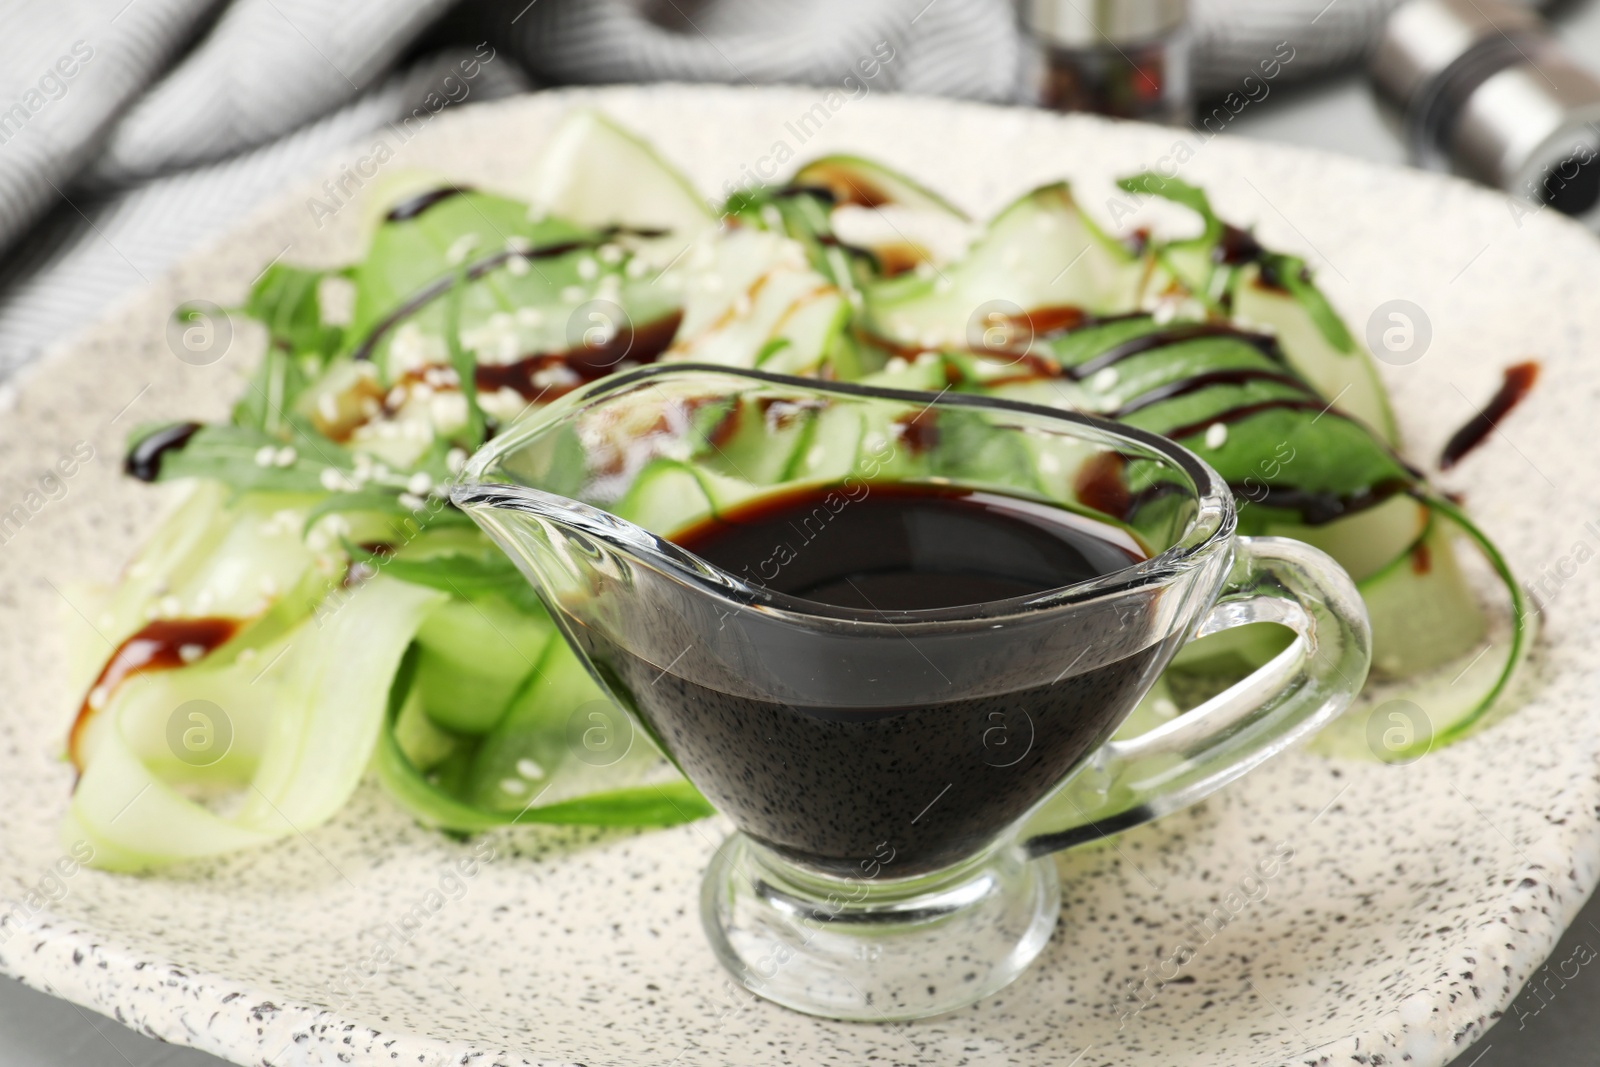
(374, 626)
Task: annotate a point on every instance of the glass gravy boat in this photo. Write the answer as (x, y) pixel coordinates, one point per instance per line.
(895, 777)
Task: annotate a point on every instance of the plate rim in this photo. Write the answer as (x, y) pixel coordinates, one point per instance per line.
(55, 941)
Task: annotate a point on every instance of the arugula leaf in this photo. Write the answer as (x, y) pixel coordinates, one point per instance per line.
(387, 504)
(1179, 192)
(666, 804)
(464, 362)
(464, 574)
(1292, 273)
(284, 300)
(248, 459)
(273, 388)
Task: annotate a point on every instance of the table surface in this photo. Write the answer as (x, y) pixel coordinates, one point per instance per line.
(1552, 1025)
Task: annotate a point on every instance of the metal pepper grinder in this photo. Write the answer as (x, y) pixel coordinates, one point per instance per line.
(1125, 58)
(1481, 87)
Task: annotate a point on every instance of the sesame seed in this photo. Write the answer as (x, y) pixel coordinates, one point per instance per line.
(264, 455)
(460, 249)
(190, 653)
(285, 457)
(1216, 435)
(529, 769)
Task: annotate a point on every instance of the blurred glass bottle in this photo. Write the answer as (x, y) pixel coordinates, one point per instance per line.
(1125, 58)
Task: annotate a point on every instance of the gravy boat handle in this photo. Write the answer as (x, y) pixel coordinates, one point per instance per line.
(1133, 780)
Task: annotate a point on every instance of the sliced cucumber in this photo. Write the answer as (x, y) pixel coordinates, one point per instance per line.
(1422, 611)
(379, 198)
(835, 451)
(669, 495)
(1348, 377)
(1314, 339)
(1040, 252)
(1443, 666)
(854, 180)
(767, 443)
(528, 748)
(473, 655)
(752, 299)
(1368, 541)
(595, 173)
(926, 372)
(901, 222)
(424, 744)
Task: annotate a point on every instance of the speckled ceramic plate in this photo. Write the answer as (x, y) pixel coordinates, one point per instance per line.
(1406, 905)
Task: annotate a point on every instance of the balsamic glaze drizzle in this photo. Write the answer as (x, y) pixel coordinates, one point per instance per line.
(477, 269)
(416, 205)
(1172, 335)
(1185, 386)
(144, 458)
(1104, 483)
(164, 644)
(642, 344)
(1518, 381)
